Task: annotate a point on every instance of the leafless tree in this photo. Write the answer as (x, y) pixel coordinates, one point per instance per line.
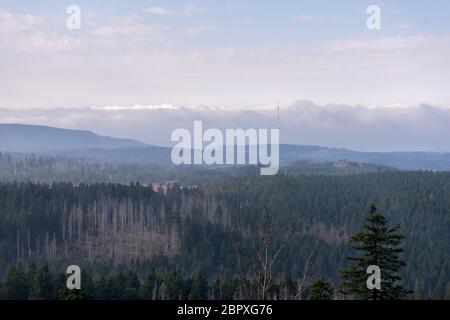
(306, 278)
(267, 254)
(242, 259)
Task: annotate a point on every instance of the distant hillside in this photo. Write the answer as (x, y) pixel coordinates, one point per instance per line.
(341, 167)
(31, 138)
(400, 160)
(289, 154)
(128, 155)
(16, 167)
(90, 146)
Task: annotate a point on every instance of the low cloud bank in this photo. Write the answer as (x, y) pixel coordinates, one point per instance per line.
(366, 128)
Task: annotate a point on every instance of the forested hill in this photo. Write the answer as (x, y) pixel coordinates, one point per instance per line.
(89, 146)
(288, 154)
(31, 138)
(48, 169)
(105, 226)
(340, 167)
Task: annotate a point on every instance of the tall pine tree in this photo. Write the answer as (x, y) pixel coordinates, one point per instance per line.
(15, 285)
(320, 290)
(376, 244)
(199, 288)
(42, 287)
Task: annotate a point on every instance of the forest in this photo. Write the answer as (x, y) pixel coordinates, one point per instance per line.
(210, 236)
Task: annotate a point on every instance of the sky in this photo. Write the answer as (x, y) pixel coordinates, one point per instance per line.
(133, 60)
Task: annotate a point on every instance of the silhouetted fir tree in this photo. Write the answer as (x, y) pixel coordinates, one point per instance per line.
(419, 292)
(150, 286)
(175, 286)
(377, 244)
(320, 290)
(61, 286)
(199, 288)
(447, 295)
(104, 288)
(15, 284)
(87, 285)
(439, 292)
(133, 286)
(31, 271)
(42, 288)
(122, 286)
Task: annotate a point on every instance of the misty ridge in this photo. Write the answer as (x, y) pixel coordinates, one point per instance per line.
(26, 138)
(86, 145)
(360, 127)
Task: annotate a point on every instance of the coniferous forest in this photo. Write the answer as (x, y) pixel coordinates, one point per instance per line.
(230, 236)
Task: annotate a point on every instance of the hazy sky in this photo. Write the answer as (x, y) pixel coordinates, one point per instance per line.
(223, 55)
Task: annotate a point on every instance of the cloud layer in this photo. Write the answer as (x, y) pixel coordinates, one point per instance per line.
(367, 128)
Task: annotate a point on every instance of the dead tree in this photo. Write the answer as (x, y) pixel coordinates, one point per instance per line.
(241, 252)
(242, 260)
(306, 278)
(267, 254)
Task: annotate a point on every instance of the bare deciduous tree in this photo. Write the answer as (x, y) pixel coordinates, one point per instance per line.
(242, 259)
(306, 278)
(267, 254)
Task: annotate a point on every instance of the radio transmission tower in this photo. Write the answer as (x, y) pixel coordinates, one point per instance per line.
(278, 114)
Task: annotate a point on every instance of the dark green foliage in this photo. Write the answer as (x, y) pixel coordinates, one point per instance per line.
(67, 294)
(43, 285)
(336, 168)
(199, 288)
(150, 286)
(439, 292)
(318, 209)
(419, 292)
(379, 245)
(175, 286)
(320, 290)
(120, 286)
(15, 284)
(447, 295)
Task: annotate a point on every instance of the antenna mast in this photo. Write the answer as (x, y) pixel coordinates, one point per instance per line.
(278, 115)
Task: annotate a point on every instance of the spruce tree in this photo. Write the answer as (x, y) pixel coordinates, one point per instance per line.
(15, 286)
(447, 295)
(376, 244)
(439, 292)
(42, 288)
(175, 286)
(150, 286)
(320, 290)
(199, 288)
(419, 292)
